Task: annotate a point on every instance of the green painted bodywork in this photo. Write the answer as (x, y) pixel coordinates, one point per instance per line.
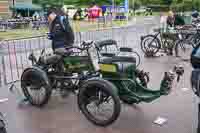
(77, 64)
(129, 88)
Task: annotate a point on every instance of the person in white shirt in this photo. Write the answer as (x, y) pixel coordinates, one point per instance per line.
(163, 22)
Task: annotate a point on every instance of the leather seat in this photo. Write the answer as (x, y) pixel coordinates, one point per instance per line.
(62, 52)
(52, 59)
(100, 44)
(121, 59)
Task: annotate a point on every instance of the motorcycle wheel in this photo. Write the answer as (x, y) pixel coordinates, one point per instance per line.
(3, 130)
(137, 56)
(195, 41)
(95, 94)
(36, 91)
(154, 47)
(182, 49)
(2, 127)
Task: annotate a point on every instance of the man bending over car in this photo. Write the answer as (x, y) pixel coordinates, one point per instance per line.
(62, 36)
(61, 32)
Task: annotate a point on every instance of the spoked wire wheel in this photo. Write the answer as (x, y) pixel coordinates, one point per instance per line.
(183, 49)
(99, 102)
(101, 110)
(2, 124)
(150, 44)
(3, 130)
(36, 91)
(195, 41)
(168, 46)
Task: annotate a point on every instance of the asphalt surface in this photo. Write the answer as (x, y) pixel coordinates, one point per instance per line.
(63, 115)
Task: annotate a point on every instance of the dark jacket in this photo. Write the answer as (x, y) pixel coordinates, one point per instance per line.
(179, 20)
(62, 32)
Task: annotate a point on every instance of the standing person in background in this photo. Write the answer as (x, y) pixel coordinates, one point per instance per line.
(62, 36)
(195, 17)
(86, 13)
(170, 19)
(169, 35)
(163, 22)
(94, 12)
(78, 14)
(103, 8)
(195, 14)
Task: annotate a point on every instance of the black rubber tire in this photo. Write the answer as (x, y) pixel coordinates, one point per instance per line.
(3, 130)
(138, 58)
(178, 47)
(108, 88)
(165, 46)
(195, 41)
(2, 127)
(168, 47)
(156, 40)
(46, 98)
(181, 47)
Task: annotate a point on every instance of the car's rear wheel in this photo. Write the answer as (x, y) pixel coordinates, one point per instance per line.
(99, 102)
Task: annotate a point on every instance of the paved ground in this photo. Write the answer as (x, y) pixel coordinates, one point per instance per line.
(63, 116)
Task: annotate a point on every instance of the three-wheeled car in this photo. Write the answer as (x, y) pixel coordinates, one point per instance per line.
(101, 82)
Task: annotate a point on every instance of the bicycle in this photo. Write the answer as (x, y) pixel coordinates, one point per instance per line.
(152, 44)
(186, 44)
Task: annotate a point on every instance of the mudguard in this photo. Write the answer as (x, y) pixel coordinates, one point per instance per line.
(35, 72)
(103, 81)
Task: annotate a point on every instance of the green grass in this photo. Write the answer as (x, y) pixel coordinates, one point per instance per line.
(18, 33)
(78, 27)
(82, 26)
(153, 14)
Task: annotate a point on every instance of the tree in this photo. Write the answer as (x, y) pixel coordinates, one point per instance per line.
(135, 4)
(167, 2)
(45, 3)
(76, 2)
(196, 4)
(99, 2)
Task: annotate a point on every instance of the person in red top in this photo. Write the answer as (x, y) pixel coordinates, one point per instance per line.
(94, 12)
